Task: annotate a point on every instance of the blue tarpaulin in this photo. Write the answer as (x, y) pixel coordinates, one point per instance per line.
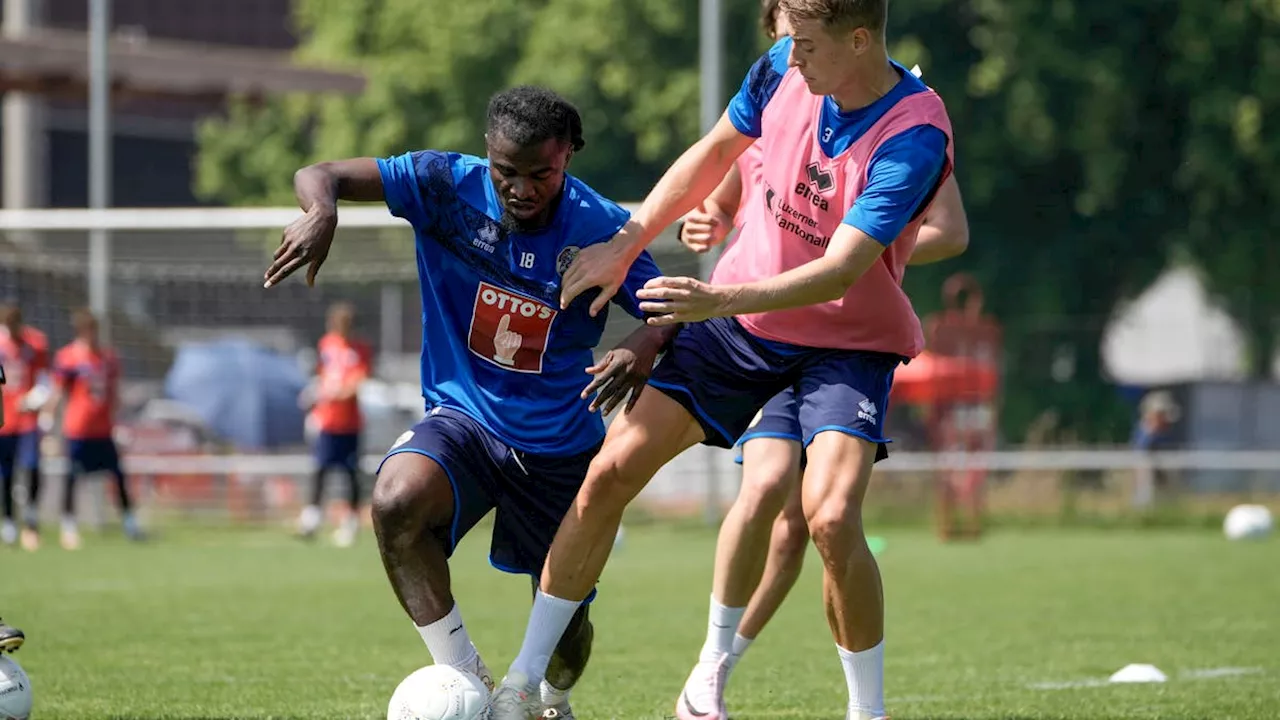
(246, 393)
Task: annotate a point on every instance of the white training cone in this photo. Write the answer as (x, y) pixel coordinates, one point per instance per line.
(1139, 673)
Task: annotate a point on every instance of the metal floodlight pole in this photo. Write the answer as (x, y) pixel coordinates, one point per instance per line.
(711, 59)
(99, 159)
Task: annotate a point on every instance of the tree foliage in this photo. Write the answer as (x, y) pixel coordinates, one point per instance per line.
(1092, 139)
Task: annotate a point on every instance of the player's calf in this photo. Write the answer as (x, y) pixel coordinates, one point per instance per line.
(835, 484)
(567, 665)
(412, 507)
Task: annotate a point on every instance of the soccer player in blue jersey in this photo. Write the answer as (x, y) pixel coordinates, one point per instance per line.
(508, 424)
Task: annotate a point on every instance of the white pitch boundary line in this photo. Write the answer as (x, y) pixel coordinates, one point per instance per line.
(1217, 673)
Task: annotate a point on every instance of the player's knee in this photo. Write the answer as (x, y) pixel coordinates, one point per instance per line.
(765, 489)
(608, 488)
(410, 496)
(790, 536)
(836, 527)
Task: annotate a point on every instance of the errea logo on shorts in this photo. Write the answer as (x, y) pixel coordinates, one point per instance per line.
(510, 330)
(867, 411)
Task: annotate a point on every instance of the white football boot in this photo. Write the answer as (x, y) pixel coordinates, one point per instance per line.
(703, 694)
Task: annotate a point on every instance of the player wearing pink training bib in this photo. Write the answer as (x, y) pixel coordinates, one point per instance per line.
(855, 147)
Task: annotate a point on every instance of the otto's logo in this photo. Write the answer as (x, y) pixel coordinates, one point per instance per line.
(510, 330)
(565, 259)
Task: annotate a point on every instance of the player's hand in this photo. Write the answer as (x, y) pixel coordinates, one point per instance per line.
(34, 400)
(703, 230)
(681, 300)
(623, 372)
(603, 265)
(305, 242)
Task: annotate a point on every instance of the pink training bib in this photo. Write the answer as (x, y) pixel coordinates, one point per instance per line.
(801, 200)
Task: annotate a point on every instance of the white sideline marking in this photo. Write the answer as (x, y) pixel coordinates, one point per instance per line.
(1067, 685)
(1222, 672)
(1202, 674)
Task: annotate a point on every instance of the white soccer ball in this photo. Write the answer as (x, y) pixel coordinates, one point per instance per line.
(439, 692)
(1248, 522)
(15, 691)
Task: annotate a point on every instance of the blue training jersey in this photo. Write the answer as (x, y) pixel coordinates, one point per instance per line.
(495, 344)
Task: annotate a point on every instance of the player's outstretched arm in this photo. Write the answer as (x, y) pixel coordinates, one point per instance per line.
(623, 372)
(904, 172)
(319, 187)
(945, 232)
(685, 184)
(682, 299)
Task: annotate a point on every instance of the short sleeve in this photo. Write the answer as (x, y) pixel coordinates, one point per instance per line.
(903, 173)
(642, 271)
(409, 180)
(746, 109)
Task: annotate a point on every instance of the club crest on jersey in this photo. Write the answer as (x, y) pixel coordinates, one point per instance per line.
(565, 259)
(510, 330)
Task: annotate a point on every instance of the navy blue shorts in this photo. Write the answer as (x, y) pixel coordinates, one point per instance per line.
(530, 494)
(93, 455)
(340, 451)
(19, 451)
(723, 376)
(778, 419)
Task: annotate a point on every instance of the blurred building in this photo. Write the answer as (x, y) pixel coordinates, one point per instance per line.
(173, 61)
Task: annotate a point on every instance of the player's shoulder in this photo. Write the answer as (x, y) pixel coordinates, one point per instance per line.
(591, 217)
(67, 354)
(438, 165)
(779, 53)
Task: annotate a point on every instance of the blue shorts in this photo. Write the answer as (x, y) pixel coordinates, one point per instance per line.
(778, 419)
(530, 494)
(723, 376)
(93, 455)
(19, 451)
(341, 451)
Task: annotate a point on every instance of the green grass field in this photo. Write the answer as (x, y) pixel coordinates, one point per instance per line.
(251, 624)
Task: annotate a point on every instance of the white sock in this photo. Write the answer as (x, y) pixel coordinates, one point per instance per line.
(547, 622)
(447, 640)
(740, 645)
(553, 696)
(864, 674)
(722, 625)
(69, 524)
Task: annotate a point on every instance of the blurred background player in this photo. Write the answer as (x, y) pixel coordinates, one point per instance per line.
(24, 351)
(343, 363)
(508, 426)
(763, 538)
(87, 374)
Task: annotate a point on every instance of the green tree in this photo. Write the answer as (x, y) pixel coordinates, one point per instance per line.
(630, 65)
(1092, 139)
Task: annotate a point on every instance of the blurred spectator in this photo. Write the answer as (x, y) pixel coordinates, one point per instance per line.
(1157, 414)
